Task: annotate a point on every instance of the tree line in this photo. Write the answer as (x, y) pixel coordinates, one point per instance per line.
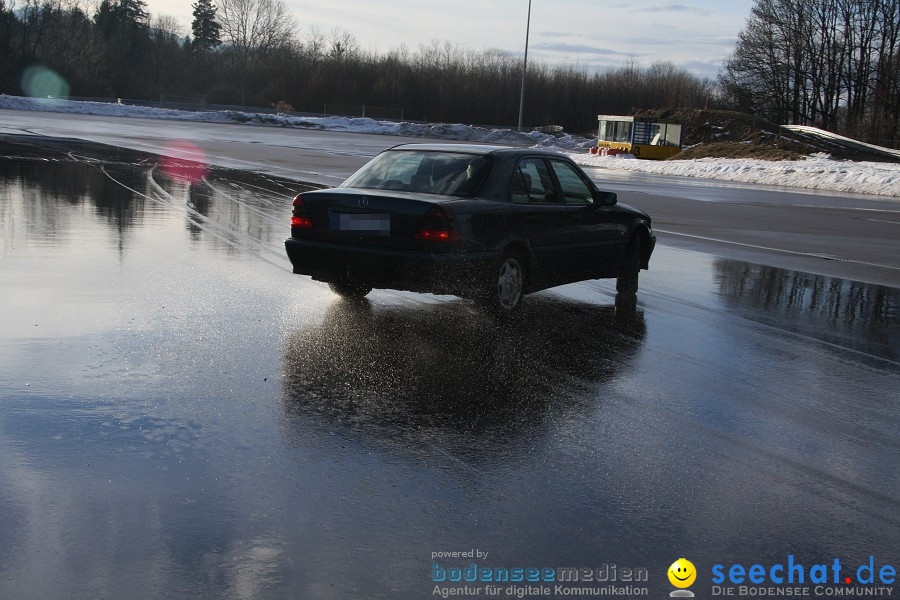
(834, 64)
(829, 63)
(254, 53)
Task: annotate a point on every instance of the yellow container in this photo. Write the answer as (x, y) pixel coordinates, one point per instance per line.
(654, 152)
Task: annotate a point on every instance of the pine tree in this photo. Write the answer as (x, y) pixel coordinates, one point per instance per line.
(204, 26)
(125, 31)
(127, 17)
(132, 11)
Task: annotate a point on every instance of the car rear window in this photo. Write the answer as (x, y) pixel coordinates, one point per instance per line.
(444, 173)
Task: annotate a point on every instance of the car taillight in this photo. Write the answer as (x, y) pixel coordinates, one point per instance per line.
(439, 226)
(300, 218)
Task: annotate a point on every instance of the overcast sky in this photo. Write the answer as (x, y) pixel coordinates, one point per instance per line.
(696, 34)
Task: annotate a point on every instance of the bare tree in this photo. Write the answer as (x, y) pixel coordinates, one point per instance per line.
(829, 63)
(313, 43)
(341, 45)
(884, 126)
(166, 25)
(256, 27)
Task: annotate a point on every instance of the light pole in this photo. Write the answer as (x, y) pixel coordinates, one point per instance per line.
(524, 68)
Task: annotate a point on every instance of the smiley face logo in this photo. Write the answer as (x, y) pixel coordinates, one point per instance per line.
(682, 573)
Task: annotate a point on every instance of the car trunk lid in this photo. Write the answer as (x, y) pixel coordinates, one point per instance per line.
(366, 217)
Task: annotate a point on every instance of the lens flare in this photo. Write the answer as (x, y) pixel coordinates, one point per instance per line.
(184, 161)
(40, 82)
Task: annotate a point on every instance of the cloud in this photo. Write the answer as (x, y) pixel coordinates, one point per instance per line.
(708, 69)
(578, 49)
(566, 34)
(681, 8)
(653, 42)
(723, 42)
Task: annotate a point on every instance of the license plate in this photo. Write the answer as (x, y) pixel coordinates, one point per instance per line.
(378, 224)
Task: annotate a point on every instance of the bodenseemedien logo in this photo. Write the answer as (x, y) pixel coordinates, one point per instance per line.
(682, 574)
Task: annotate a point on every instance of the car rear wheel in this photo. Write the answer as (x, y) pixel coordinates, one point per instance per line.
(349, 290)
(627, 283)
(508, 287)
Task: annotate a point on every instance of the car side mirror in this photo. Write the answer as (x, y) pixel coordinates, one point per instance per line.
(605, 198)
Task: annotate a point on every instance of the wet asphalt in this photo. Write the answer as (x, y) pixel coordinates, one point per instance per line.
(181, 417)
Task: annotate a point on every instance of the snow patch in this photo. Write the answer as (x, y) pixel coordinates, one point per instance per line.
(818, 172)
(444, 131)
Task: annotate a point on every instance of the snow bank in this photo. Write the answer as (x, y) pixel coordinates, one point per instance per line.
(816, 172)
(356, 125)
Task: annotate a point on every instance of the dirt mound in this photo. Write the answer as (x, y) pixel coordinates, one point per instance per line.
(730, 134)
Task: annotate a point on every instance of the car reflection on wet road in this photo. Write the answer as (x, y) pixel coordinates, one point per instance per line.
(180, 416)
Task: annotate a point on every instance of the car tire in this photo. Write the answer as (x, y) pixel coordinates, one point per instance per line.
(627, 283)
(507, 289)
(349, 290)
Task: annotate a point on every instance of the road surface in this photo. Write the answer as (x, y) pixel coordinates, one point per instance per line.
(852, 236)
(182, 417)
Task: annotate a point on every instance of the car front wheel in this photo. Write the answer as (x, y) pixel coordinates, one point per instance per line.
(349, 291)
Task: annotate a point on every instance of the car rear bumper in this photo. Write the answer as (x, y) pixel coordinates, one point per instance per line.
(416, 271)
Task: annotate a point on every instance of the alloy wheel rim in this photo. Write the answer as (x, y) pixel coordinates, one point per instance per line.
(509, 284)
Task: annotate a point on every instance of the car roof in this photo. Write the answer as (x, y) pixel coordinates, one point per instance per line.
(472, 149)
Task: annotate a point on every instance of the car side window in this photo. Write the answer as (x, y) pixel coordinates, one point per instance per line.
(575, 189)
(531, 183)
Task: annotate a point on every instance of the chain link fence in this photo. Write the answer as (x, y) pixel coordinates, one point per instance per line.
(203, 104)
(363, 110)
